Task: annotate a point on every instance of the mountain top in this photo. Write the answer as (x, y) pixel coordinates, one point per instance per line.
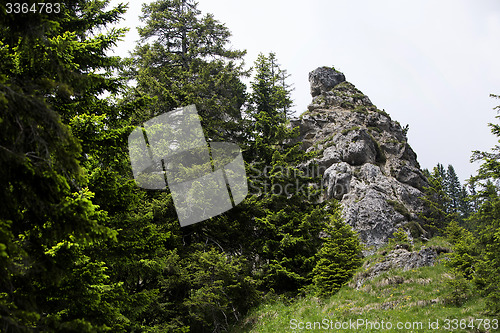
(365, 159)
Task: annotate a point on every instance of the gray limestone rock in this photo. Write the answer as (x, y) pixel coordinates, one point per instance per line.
(403, 259)
(358, 147)
(366, 160)
(338, 180)
(399, 258)
(324, 79)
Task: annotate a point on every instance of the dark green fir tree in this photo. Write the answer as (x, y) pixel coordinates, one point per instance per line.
(436, 199)
(184, 58)
(50, 278)
(339, 257)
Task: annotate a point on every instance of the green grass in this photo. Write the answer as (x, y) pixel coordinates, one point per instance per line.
(400, 208)
(414, 296)
(347, 130)
(375, 129)
(382, 112)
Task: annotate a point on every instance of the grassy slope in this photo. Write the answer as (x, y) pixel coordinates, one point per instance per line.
(418, 295)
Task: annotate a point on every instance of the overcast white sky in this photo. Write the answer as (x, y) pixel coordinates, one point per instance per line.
(429, 64)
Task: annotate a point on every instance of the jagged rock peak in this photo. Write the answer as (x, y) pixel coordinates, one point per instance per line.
(364, 157)
(329, 88)
(323, 79)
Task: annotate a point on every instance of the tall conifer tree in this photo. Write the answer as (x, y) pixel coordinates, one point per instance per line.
(453, 188)
(487, 220)
(184, 58)
(436, 199)
(49, 224)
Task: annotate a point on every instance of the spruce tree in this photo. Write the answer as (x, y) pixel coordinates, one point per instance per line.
(270, 91)
(49, 222)
(162, 267)
(436, 199)
(453, 188)
(82, 248)
(464, 203)
(338, 258)
(446, 198)
(287, 218)
(486, 251)
(441, 171)
(459, 204)
(183, 58)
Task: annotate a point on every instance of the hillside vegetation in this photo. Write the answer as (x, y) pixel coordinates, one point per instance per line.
(85, 248)
(424, 299)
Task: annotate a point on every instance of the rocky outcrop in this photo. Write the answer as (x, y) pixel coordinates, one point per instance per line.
(399, 258)
(364, 156)
(405, 260)
(323, 80)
